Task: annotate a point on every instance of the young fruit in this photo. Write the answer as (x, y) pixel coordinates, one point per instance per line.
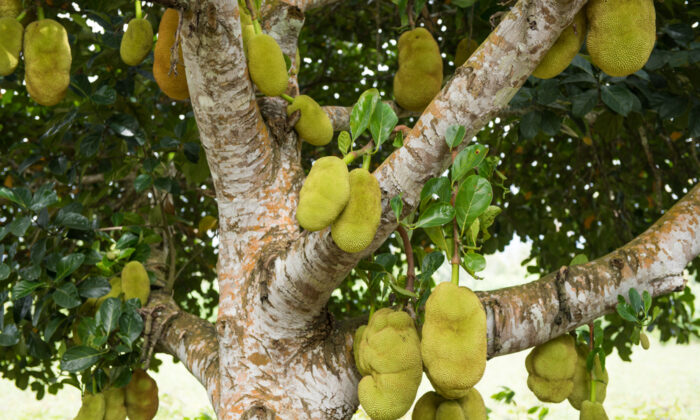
(419, 77)
(324, 195)
(135, 282)
(314, 126)
(47, 58)
(141, 396)
(564, 49)
(356, 226)
(266, 65)
(136, 42)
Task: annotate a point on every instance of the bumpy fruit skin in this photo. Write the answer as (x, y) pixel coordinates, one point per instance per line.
(115, 404)
(582, 380)
(10, 44)
(454, 340)
(390, 352)
(551, 367)
(432, 406)
(426, 406)
(354, 229)
(356, 349)
(10, 8)
(324, 195)
(92, 408)
(136, 42)
(419, 77)
(135, 282)
(141, 396)
(621, 34)
(465, 49)
(266, 65)
(47, 59)
(314, 126)
(592, 411)
(175, 86)
(564, 49)
(247, 32)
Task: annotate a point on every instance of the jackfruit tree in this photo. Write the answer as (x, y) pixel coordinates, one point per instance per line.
(291, 196)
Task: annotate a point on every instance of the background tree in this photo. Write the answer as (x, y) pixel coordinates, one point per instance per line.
(119, 172)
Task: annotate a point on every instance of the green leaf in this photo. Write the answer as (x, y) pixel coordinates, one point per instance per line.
(437, 214)
(579, 259)
(105, 95)
(130, 326)
(9, 336)
(438, 237)
(431, 263)
(4, 271)
(463, 3)
(18, 227)
(143, 182)
(635, 300)
(583, 103)
(530, 124)
(436, 186)
(66, 296)
(647, 301)
(362, 112)
(344, 142)
(489, 216)
(67, 265)
(454, 135)
(108, 314)
(474, 196)
(402, 291)
(73, 220)
(397, 206)
(79, 358)
(90, 144)
(44, 197)
(398, 140)
(53, 325)
(94, 287)
(127, 240)
(626, 312)
(618, 98)
(466, 160)
(24, 288)
(474, 262)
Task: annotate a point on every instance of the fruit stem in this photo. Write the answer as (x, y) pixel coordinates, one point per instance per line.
(357, 153)
(411, 269)
(455, 243)
(366, 159)
(40, 13)
(256, 27)
(287, 98)
(22, 15)
(137, 3)
(455, 274)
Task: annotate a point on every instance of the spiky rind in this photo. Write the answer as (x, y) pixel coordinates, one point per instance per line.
(47, 58)
(266, 65)
(174, 84)
(136, 42)
(564, 49)
(419, 76)
(314, 126)
(324, 195)
(356, 226)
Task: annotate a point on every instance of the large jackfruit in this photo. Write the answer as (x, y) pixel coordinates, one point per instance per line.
(174, 85)
(324, 195)
(115, 404)
(47, 59)
(314, 126)
(136, 42)
(356, 349)
(592, 411)
(390, 353)
(135, 282)
(356, 226)
(564, 49)
(10, 8)
(266, 65)
(621, 34)
(454, 340)
(92, 408)
(432, 406)
(582, 379)
(10, 44)
(465, 49)
(419, 77)
(141, 396)
(551, 367)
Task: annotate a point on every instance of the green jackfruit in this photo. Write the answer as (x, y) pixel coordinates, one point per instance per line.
(592, 411)
(426, 406)
(141, 396)
(247, 32)
(10, 8)
(93, 304)
(465, 49)
(356, 349)
(644, 340)
(92, 408)
(621, 34)
(173, 85)
(115, 404)
(432, 406)
(136, 42)
(454, 340)
(356, 226)
(551, 367)
(135, 282)
(449, 410)
(314, 126)
(47, 59)
(564, 49)
(266, 65)
(324, 194)
(10, 44)
(419, 77)
(582, 379)
(390, 353)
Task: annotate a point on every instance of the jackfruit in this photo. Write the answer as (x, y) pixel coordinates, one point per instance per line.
(454, 340)
(621, 34)
(390, 353)
(266, 65)
(564, 49)
(582, 379)
(10, 8)
(465, 49)
(47, 59)
(247, 32)
(419, 77)
(324, 195)
(592, 411)
(92, 408)
(115, 404)
(432, 406)
(141, 396)
(644, 340)
(551, 367)
(10, 44)
(314, 126)
(135, 282)
(93, 304)
(356, 226)
(136, 42)
(174, 85)
(356, 349)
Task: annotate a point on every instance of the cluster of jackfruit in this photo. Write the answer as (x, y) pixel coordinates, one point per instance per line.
(174, 85)
(419, 77)
(136, 42)
(107, 405)
(551, 367)
(141, 396)
(314, 126)
(388, 355)
(432, 406)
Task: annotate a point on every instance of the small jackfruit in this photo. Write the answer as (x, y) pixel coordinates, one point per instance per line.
(644, 340)
(174, 85)
(266, 65)
(314, 126)
(454, 340)
(432, 406)
(10, 8)
(324, 195)
(419, 77)
(10, 44)
(551, 367)
(141, 396)
(465, 49)
(592, 411)
(621, 34)
(582, 379)
(93, 407)
(389, 352)
(135, 282)
(115, 404)
(247, 32)
(47, 59)
(564, 49)
(356, 226)
(136, 42)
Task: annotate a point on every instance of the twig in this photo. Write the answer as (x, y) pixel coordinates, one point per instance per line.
(357, 153)
(411, 270)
